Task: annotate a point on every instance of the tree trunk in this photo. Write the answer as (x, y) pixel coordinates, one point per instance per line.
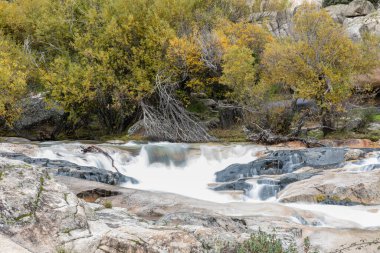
(326, 121)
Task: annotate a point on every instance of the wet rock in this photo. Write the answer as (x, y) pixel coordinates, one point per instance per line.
(239, 185)
(65, 168)
(282, 162)
(294, 177)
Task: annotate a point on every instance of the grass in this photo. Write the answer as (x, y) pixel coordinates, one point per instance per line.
(107, 204)
(375, 117)
(229, 135)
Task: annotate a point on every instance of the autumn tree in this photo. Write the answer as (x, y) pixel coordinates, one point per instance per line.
(113, 64)
(319, 62)
(14, 65)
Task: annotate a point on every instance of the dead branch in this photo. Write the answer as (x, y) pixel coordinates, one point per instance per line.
(168, 119)
(95, 149)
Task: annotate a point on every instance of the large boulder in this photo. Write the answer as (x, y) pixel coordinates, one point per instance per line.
(282, 162)
(38, 120)
(339, 187)
(358, 26)
(358, 8)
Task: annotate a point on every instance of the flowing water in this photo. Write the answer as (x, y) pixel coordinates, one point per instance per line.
(188, 170)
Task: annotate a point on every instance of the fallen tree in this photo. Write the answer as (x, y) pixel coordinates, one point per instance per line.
(165, 118)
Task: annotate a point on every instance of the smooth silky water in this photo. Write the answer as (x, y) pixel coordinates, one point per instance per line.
(188, 170)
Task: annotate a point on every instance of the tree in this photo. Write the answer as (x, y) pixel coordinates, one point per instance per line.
(113, 63)
(238, 72)
(319, 62)
(14, 65)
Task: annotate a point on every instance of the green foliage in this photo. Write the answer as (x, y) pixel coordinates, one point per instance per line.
(14, 74)
(99, 59)
(115, 59)
(107, 204)
(261, 242)
(238, 71)
(318, 63)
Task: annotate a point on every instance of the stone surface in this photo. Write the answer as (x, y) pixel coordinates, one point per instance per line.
(336, 187)
(358, 8)
(358, 26)
(42, 213)
(38, 121)
(354, 154)
(65, 168)
(283, 161)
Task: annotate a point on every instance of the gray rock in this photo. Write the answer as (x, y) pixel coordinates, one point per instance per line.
(38, 120)
(65, 168)
(374, 126)
(358, 26)
(239, 185)
(358, 8)
(354, 154)
(229, 115)
(282, 162)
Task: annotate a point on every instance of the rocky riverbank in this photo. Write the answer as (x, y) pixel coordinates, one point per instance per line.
(45, 211)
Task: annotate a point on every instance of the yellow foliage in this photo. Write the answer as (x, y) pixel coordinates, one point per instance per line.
(238, 72)
(319, 63)
(13, 78)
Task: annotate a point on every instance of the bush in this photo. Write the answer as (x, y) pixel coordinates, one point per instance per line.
(107, 204)
(262, 242)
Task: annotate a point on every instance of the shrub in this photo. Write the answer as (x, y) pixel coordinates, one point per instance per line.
(107, 204)
(262, 242)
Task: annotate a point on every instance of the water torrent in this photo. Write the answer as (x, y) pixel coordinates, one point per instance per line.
(189, 170)
(186, 169)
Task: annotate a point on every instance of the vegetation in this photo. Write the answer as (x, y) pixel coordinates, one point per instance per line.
(262, 242)
(111, 63)
(107, 204)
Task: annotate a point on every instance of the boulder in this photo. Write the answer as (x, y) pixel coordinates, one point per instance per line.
(65, 168)
(282, 162)
(343, 187)
(358, 26)
(358, 8)
(229, 115)
(337, 12)
(354, 154)
(38, 120)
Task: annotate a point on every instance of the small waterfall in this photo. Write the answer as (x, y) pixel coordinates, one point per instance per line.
(264, 189)
(364, 165)
(186, 169)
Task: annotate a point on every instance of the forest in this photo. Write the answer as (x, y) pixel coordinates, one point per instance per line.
(115, 63)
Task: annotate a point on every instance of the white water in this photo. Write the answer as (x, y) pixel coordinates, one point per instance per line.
(185, 169)
(188, 169)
